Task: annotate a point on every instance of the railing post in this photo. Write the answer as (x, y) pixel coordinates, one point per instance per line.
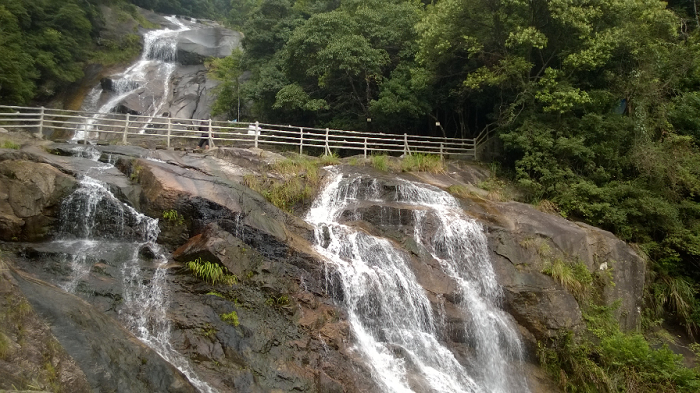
(85, 133)
(126, 129)
(328, 149)
(40, 134)
(301, 140)
(406, 150)
(211, 138)
(441, 147)
(169, 130)
(257, 132)
(365, 147)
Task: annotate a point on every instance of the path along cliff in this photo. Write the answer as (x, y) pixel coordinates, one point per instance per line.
(289, 320)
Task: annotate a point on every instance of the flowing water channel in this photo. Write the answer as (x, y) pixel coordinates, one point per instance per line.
(148, 80)
(96, 226)
(397, 331)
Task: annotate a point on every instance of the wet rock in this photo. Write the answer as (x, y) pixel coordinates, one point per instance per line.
(31, 355)
(112, 359)
(30, 195)
(196, 45)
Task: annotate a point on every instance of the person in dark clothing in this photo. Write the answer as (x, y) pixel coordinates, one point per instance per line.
(204, 142)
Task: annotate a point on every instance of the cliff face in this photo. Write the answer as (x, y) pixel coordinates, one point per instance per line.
(291, 331)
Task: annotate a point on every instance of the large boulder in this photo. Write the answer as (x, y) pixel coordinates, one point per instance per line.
(524, 240)
(194, 46)
(30, 197)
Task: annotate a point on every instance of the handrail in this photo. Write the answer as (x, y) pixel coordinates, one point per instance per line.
(110, 127)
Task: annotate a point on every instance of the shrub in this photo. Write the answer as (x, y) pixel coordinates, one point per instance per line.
(210, 272)
(231, 318)
(173, 217)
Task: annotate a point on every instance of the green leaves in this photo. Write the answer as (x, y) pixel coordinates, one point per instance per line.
(213, 273)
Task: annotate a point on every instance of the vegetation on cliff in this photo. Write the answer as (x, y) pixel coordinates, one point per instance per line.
(594, 102)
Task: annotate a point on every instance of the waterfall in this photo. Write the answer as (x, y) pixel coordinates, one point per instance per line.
(96, 224)
(147, 79)
(393, 322)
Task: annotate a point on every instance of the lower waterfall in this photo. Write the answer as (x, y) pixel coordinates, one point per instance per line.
(96, 225)
(396, 330)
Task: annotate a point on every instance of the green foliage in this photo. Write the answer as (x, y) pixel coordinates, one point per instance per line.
(217, 294)
(5, 349)
(116, 52)
(380, 162)
(279, 301)
(574, 277)
(678, 295)
(423, 163)
(231, 318)
(295, 181)
(614, 362)
(173, 217)
(211, 272)
(329, 159)
(228, 71)
(9, 145)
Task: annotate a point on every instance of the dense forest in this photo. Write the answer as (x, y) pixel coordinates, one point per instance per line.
(45, 44)
(596, 103)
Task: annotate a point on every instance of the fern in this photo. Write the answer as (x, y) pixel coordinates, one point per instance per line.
(210, 272)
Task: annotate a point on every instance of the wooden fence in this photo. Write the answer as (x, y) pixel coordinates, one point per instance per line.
(114, 127)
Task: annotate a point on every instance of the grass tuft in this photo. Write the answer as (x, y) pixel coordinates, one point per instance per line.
(9, 145)
(231, 318)
(380, 162)
(574, 277)
(423, 163)
(293, 181)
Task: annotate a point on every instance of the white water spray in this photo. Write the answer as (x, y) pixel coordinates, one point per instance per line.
(95, 223)
(395, 327)
(156, 66)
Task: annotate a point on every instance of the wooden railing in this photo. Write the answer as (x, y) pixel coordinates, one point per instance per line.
(125, 128)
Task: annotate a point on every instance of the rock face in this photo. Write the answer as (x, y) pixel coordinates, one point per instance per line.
(280, 326)
(169, 79)
(30, 195)
(194, 46)
(111, 358)
(524, 240)
(29, 352)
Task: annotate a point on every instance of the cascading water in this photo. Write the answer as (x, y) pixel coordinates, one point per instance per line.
(394, 325)
(148, 79)
(94, 225)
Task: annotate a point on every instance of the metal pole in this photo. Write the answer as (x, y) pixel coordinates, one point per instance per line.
(406, 150)
(328, 149)
(126, 129)
(40, 134)
(211, 138)
(441, 146)
(301, 140)
(365, 147)
(257, 127)
(169, 131)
